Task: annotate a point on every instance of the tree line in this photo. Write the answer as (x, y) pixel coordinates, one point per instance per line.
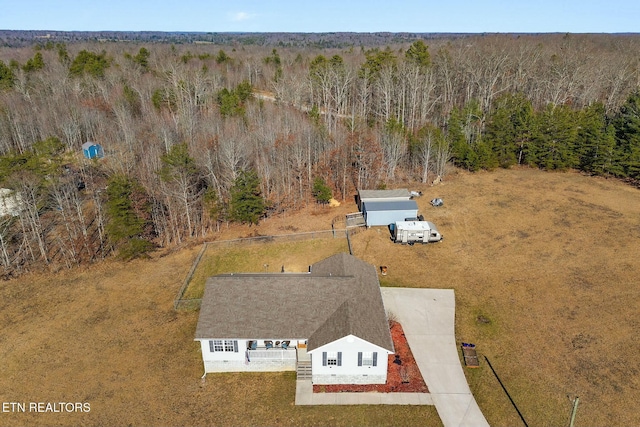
(198, 135)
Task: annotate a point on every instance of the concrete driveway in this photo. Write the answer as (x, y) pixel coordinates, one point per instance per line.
(427, 317)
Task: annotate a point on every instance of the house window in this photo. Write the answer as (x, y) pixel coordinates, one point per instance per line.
(331, 358)
(367, 358)
(216, 345)
(223, 345)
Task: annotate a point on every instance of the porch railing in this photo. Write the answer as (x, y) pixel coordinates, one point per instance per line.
(273, 354)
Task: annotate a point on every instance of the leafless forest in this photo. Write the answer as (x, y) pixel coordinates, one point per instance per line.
(180, 123)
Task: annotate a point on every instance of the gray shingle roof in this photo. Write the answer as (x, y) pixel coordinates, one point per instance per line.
(383, 194)
(340, 296)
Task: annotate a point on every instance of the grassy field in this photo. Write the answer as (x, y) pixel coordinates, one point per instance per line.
(109, 336)
(544, 267)
(293, 256)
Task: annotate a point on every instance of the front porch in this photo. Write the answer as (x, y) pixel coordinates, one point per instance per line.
(270, 350)
(276, 355)
(260, 355)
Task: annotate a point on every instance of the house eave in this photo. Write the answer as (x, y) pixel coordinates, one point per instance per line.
(320, 348)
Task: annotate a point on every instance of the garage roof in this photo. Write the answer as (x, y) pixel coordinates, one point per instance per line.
(383, 194)
(390, 205)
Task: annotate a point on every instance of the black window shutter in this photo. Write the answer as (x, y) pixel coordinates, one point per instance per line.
(324, 358)
(211, 346)
(339, 358)
(375, 358)
(359, 358)
(235, 346)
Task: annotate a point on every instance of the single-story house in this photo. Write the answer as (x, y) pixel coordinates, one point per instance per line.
(385, 212)
(395, 195)
(91, 150)
(331, 318)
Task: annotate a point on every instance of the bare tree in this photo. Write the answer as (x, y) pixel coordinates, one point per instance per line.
(29, 187)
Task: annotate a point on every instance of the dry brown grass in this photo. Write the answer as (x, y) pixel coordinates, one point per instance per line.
(109, 336)
(545, 271)
(259, 257)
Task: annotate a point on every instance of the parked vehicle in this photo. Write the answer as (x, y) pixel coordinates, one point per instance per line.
(437, 202)
(410, 232)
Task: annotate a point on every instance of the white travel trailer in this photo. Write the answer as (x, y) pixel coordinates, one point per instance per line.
(410, 232)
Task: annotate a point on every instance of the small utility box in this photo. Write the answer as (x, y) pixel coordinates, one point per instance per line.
(91, 150)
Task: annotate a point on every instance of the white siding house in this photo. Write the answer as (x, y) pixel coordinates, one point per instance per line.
(332, 316)
(228, 355)
(349, 360)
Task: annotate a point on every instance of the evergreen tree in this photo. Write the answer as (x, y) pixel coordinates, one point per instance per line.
(132, 100)
(462, 154)
(222, 57)
(142, 58)
(244, 90)
(553, 145)
(164, 98)
(247, 204)
(183, 184)
(321, 191)
(627, 129)
(34, 64)
(595, 142)
(508, 128)
(418, 54)
(89, 63)
(317, 69)
(274, 59)
(376, 60)
(7, 77)
(43, 160)
(231, 102)
(465, 136)
(63, 54)
(126, 223)
(177, 164)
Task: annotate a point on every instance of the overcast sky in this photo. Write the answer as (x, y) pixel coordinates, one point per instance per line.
(442, 16)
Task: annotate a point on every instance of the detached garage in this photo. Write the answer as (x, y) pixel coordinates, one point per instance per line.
(385, 212)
